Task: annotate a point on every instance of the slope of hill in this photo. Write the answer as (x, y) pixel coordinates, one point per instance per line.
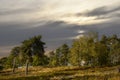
(63, 73)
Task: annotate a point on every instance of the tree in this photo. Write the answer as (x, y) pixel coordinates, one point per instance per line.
(75, 52)
(60, 56)
(26, 52)
(114, 50)
(83, 50)
(37, 61)
(52, 58)
(32, 47)
(37, 45)
(64, 52)
(57, 58)
(102, 54)
(14, 54)
(104, 39)
(3, 62)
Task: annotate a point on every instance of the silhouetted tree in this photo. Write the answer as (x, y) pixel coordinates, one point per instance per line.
(15, 53)
(31, 47)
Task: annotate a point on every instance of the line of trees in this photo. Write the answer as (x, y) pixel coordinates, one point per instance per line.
(89, 50)
(60, 56)
(30, 52)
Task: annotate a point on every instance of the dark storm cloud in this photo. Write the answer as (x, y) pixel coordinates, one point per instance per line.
(54, 33)
(100, 11)
(14, 34)
(108, 28)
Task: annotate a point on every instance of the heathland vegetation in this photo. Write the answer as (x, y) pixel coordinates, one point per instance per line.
(90, 57)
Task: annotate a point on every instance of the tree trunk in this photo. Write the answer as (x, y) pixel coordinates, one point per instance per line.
(14, 61)
(26, 70)
(65, 62)
(79, 63)
(119, 69)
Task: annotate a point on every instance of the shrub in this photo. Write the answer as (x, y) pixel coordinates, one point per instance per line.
(1, 68)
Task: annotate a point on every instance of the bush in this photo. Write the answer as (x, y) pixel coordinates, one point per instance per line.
(1, 68)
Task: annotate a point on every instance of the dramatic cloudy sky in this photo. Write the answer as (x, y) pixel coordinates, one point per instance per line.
(58, 21)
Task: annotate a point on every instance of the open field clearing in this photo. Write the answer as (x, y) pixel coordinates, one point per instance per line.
(62, 73)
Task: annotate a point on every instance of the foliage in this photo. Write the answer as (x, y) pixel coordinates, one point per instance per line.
(83, 50)
(32, 47)
(1, 67)
(94, 52)
(60, 57)
(40, 61)
(64, 56)
(3, 62)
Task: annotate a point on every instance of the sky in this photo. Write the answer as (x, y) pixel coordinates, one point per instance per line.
(58, 21)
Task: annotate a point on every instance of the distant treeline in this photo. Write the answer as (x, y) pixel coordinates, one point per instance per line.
(88, 50)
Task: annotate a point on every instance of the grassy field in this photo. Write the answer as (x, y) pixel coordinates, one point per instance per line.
(62, 73)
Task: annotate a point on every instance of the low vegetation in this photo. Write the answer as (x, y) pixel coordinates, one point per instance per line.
(63, 73)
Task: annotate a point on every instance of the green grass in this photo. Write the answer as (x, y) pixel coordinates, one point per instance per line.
(63, 73)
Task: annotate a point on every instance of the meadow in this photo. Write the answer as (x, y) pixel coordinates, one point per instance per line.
(62, 73)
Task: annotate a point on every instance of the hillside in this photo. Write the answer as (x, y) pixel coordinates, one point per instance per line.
(63, 73)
